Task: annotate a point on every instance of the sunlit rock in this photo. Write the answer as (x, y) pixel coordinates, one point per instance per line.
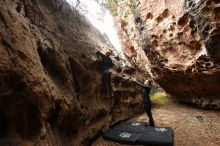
(177, 42)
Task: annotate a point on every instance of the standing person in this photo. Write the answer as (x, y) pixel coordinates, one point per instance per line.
(106, 65)
(146, 100)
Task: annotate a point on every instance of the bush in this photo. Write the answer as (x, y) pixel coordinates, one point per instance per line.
(157, 95)
(155, 89)
(112, 6)
(159, 98)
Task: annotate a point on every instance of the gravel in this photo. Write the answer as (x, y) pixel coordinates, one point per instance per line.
(191, 126)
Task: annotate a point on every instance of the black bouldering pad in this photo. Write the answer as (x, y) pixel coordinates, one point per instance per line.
(132, 127)
(156, 136)
(138, 133)
(121, 136)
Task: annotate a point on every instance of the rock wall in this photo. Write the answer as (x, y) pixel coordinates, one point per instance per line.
(50, 79)
(176, 41)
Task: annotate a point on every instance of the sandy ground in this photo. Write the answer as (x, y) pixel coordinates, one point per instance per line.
(188, 129)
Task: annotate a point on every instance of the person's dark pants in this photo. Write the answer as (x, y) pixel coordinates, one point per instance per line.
(147, 108)
(106, 81)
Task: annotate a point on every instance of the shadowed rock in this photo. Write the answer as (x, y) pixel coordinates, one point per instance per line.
(50, 81)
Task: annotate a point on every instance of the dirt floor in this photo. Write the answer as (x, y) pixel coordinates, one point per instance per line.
(191, 126)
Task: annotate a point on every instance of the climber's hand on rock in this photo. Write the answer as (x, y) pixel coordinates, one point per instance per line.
(97, 52)
(133, 79)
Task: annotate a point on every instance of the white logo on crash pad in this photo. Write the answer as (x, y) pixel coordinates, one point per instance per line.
(161, 129)
(125, 135)
(136, 124)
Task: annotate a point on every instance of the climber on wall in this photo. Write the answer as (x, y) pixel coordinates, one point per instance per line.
(146, 99)
(106, 66)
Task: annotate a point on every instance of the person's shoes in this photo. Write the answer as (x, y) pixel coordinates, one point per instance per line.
(152, 125)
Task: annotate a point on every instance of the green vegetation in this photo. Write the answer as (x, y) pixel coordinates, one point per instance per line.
(157, 95)
(155, 90)
(132, 5)
(112, 6)
(124, 15)
(159, 98)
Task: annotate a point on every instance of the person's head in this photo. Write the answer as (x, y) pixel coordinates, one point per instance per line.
(147, 83)
(108, 53)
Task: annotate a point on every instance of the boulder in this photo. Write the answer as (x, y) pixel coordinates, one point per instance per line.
(176, 42)
(50, 82)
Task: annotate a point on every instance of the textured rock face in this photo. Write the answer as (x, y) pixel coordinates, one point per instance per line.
(177, 41)
(49, 78)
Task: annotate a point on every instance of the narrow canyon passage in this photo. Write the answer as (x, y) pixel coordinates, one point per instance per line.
(51, 76)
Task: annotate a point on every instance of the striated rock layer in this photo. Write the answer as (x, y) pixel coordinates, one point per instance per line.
(50, 79)
(177, 42)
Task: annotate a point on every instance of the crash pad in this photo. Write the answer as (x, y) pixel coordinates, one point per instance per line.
(121, 136)
(159, 136)
(133, 132)
(131, 126)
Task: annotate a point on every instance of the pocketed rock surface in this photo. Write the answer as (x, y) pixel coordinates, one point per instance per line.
(177, 42)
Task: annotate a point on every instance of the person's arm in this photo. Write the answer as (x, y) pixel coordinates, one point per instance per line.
(139, 83)
(98, 53)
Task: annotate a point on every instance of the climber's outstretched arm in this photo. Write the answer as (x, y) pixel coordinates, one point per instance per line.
(139, 83)
(98, 53)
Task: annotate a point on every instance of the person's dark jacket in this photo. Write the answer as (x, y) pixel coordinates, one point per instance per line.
(146, 92)
(106, 62)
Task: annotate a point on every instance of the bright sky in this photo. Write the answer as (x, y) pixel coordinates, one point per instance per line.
(107, 25)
